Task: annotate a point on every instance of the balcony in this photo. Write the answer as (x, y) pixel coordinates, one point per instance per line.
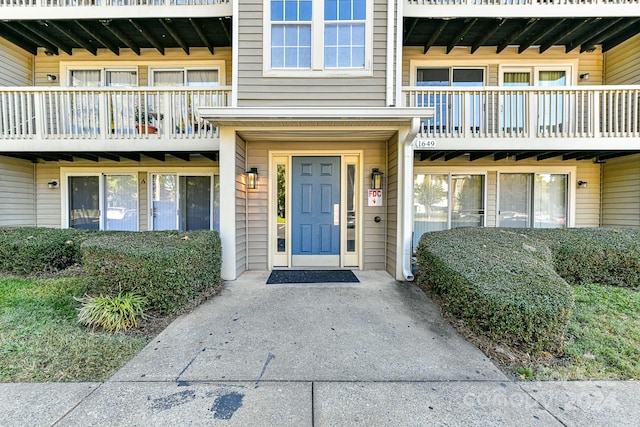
(519, 8)
(112, 9)
(108, 119)
(534, 118)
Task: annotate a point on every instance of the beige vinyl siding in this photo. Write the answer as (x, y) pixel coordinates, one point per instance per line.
(374, 154)
(587, 200)
(149, 58)
(622, 63)
(588, 62)
(50, 203)
(18, 192)
(16, 65)
(391, 201)
(241, 208)
(621, 192)
(255, 90)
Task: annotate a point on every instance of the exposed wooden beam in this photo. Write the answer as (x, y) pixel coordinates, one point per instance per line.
(154, 155)
(515, 34)
(409, 29)
(37, 38)
(168, 25)
(211, 155)
(611, 32)
(223, 24)
(182, 156)
(17, 39)
(476, 155)
(488, 33)
(434, 36)
(621, 37)
(617, 154)
(570, 30)
(87, 156)
(453, 43)
(436, 156)
(198, 29)
(148, 36)
(111, 26)
(526, 155)
(130, 156)
(82, 41)
(110, 156)
(452, 155)
(501, 155)
(570, 155)
(40, 28)
(540, 35)
(548, 155)
(99, 37)
(590, 34)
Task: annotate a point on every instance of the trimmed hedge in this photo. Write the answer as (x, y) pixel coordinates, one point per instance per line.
(500, 282)
(607, 256)
(168, 268)
(29, 250)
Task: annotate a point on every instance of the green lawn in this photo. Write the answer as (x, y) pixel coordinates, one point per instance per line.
(41, 340)
(603, 339)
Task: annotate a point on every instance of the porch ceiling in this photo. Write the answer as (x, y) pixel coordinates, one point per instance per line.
(495, 155)
(317, 136)
(114, 34)
(585, 33)
(67, 156)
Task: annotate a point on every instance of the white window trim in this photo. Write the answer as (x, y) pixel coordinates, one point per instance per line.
(178, 173)
(185, 69)
(317, 47)
(66, 66)
(458, 171)
(570, 171)
(570, 67)
(64, 191)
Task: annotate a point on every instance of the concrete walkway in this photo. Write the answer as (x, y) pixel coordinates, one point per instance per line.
(376, 353)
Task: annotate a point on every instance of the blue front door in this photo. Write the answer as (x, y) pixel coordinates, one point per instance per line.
(315, 227)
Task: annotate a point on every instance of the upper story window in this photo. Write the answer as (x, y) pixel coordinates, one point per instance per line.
(185, 77)
(304, 37)
(93, 77)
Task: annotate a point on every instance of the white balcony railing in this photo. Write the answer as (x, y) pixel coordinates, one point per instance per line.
(529, 112)
(107, 113)
(71, 3)
(521, 2)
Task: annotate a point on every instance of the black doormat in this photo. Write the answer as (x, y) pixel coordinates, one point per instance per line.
(311, 276)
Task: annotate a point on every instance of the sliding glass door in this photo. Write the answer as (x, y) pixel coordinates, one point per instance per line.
(184, 202)
(537, 200)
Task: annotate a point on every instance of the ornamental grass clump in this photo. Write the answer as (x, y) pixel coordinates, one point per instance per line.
(111, 313)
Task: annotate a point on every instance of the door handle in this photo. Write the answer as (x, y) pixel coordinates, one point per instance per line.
(336, 214)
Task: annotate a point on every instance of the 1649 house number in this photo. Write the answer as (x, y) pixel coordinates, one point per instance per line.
(424, 143)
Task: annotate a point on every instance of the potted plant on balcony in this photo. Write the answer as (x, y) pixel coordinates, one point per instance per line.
(143, 118)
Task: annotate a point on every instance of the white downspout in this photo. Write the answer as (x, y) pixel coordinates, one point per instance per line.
(391, 34)
(406, 205)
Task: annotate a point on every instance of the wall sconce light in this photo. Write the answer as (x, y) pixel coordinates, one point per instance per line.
(376, 179)
(582, 184)
(252, 178)
(584, 76)
(53, 184)
(52, 77)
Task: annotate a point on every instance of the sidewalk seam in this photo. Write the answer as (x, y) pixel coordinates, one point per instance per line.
(73, 408)
(541, 405)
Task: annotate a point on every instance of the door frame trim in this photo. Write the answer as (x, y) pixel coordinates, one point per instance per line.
(346, 157)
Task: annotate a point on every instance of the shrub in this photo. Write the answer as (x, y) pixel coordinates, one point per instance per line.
(111, 313)
(27, 250)
(168, 268)
(500, 282)
(594, 255)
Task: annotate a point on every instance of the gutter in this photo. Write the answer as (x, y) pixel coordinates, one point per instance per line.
(407, 199)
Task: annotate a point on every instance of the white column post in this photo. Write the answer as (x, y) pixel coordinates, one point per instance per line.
(227, 161)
